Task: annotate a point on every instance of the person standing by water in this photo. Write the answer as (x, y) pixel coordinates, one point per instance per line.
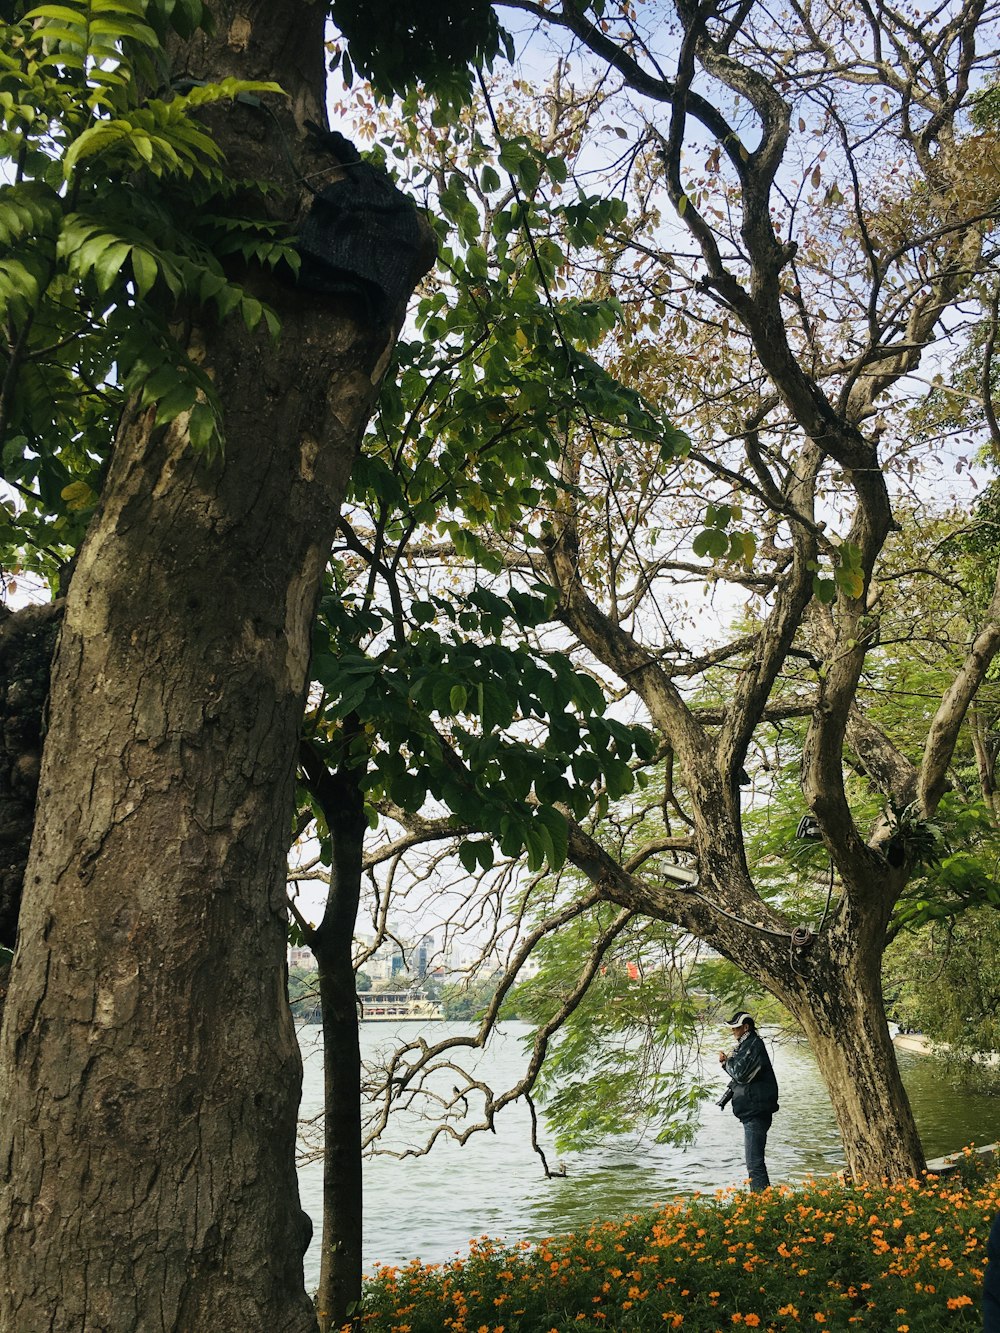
(753, 1092)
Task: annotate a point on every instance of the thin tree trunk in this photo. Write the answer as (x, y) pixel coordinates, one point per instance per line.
(342, 801)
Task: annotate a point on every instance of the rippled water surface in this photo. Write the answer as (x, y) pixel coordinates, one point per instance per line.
(429, 1207)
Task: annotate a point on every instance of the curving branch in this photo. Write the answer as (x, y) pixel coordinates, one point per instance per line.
(944, 728)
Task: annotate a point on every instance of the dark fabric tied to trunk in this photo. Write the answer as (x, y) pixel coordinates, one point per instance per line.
(361, 237)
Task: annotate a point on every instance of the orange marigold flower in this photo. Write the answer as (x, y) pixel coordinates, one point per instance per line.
(752, 1320)
(956, 1302)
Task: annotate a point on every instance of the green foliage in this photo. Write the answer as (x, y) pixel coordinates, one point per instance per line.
(986, 106)
(623, 1059)
(114, 216)
(975, 549)
(847, 576)
(303, 994)
(908, 1257)
(728, 988)
(528, 728)
(465, 1001)
(944, 981)
(957, 859)
(398, 46)
(717, 543)
(455, 703)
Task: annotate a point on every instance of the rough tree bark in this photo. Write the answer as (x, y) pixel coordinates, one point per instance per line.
(150, 1074)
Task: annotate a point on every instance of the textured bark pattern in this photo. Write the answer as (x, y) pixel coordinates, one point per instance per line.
(846, 1027)
(150, 1075)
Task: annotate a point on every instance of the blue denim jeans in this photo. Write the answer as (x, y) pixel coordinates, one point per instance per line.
(755, 1141)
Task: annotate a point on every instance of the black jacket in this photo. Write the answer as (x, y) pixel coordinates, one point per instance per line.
(754, 1087)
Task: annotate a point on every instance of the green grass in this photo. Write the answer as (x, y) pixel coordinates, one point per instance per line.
(905, 1258)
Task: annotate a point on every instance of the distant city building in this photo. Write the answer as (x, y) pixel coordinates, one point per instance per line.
(424, 954)
(301, 957)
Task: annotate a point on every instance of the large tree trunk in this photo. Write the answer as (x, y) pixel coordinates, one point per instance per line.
(845, 1022)
(150, 1075)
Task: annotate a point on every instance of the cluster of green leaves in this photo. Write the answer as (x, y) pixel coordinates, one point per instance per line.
(456, 706)
(622, 1061)
(846, 577)
(497, 733)
(719, 543)
(115, 214)
(960, 867)
(944, 981)
(396, 47)
(975, 550)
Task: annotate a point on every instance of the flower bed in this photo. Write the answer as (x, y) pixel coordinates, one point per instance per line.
(905, 1258)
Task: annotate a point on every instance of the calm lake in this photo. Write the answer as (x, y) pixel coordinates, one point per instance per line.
(430, 1207)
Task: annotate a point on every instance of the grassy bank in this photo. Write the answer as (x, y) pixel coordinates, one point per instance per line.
(902, 1259)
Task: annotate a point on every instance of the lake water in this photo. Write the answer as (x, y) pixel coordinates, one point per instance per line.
(430, 1207)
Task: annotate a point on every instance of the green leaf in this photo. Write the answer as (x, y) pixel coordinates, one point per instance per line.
(202, 426)
(458, 698)
(179, 399)
(78, 496)
(252, 311)
(109, 265)
(711, 542)
(824, 589)
(144, 270)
